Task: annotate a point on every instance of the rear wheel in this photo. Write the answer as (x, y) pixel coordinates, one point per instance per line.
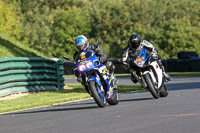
(151, 87)
(115, 99)
(98, 96)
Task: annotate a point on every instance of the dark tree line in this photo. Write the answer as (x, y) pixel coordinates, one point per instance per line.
(51, 26)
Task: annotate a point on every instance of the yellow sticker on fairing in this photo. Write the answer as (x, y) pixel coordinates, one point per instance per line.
(104, 70)
(83, 57)
(105, 73)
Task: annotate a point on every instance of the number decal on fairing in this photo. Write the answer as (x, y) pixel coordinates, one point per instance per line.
(105, 72)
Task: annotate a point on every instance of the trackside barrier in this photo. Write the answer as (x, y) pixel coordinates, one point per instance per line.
(171, 65)
(25, 74)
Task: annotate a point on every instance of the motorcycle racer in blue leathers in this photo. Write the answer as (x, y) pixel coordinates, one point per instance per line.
(82, 43)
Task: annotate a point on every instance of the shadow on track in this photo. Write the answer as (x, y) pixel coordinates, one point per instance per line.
(53, 110)
(83, 105)
(183, 86)
(139, 99)
(69, 107)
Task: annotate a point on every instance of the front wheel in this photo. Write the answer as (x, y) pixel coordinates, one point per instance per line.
(98, 96)
(151, 87)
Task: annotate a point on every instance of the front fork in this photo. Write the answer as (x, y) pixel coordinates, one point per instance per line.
(85, 84)
(140, 79)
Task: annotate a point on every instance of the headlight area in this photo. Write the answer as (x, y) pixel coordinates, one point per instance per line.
(85, 66)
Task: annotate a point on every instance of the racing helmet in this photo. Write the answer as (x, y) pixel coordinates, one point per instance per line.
(134, 41)
(81, 43)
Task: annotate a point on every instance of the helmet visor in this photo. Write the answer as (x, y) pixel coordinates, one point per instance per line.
(135, 45)
(80, 48)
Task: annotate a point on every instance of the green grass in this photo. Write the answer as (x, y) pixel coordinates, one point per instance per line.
(12, 48)
(52, 97)
(176, 74)
(69, 76)
(128, 88)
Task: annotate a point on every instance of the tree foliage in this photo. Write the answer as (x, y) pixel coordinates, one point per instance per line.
(68, 24)
(10, 20)
(51, 26)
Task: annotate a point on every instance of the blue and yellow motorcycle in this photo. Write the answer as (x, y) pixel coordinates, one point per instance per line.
(95, 78)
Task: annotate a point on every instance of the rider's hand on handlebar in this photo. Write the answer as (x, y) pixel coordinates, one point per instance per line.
(154, 55)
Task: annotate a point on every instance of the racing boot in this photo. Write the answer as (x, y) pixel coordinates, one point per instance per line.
(133, 79)
(166, 76)
(115, 81)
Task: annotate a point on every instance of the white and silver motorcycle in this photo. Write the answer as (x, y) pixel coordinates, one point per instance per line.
(148, 73)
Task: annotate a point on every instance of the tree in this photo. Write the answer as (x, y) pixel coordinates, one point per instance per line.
(68, 24)
(10, 20)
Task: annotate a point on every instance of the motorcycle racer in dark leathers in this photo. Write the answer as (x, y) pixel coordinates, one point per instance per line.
(134, 44)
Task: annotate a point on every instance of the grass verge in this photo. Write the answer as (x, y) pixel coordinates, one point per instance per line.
(70, 93)
(13, 48)
(176, 74)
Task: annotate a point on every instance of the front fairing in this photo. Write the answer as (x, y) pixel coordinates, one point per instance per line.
(139, 57)
(86, 62)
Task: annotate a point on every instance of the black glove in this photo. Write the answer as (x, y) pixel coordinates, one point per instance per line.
(101, 59)
(126, 65)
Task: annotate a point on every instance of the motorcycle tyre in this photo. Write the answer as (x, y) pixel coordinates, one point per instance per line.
(95, 95)
(115, 99)
(151, 87)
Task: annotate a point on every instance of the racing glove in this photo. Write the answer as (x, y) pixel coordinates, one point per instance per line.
(154, 55)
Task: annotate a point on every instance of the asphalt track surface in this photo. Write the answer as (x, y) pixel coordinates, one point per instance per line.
(137, 112)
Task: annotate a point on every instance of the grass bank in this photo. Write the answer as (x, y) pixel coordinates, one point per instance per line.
(13, 48)
(70, 93)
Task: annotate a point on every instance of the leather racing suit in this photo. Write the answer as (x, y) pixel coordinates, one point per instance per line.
(154, 54)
